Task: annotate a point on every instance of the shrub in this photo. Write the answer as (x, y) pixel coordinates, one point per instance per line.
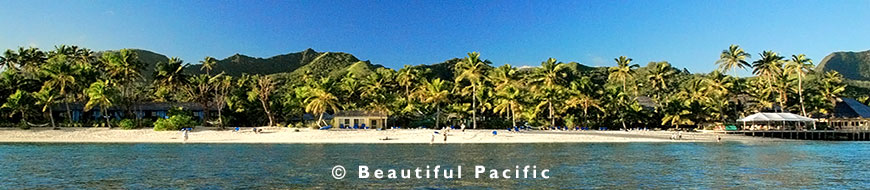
(174, 123)
(127, 124)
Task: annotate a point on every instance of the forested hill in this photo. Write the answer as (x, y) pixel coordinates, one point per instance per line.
(310, 62)
(852, 65)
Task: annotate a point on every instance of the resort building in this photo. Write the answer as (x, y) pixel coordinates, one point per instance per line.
(149, 110)
(359, 118)
(849, 114)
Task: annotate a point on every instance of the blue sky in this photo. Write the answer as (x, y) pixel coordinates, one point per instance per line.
(688, 34)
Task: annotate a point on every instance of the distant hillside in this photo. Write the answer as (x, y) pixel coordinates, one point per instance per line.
(853, 65)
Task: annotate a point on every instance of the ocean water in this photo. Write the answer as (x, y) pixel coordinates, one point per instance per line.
(792, 165)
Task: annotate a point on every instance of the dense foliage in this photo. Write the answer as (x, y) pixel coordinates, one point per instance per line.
(279, 91)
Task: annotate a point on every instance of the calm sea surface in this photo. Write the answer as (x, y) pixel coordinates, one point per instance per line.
(795, 165)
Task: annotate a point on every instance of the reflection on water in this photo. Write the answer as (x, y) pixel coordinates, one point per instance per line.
(573, 165)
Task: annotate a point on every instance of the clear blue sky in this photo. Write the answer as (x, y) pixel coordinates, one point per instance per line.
(688, 34)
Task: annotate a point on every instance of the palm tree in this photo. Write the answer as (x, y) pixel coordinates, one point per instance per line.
(659, 78)
(549, 79)
(169, 75)
(47, 97)
(623, 71)
(768, 67)
(731, 58)
(201, 87)
(407, 77)
(800, 65)
(101, 94)
(9, 59)
(471, 69)
(434, 92)
(508, 87)
(831, 87)
(19, 103)
(61, 76)
(124, 68)
(578, 98)
(262, 90)
(677, 117)
(208, 64)
(319, 100)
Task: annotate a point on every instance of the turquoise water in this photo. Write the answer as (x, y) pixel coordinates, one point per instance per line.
(795, 165)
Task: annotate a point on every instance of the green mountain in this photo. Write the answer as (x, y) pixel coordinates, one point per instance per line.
(853, 65)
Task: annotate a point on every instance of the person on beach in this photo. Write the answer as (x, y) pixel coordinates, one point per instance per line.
(445, 137)
(462, 126)
(680, 135)
(718, 138)
(184, 134)
(433, 139)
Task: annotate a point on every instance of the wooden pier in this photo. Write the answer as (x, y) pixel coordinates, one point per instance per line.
(824, 135)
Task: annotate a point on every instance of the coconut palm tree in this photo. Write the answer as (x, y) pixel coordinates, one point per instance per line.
(471, 70)
(832, 86)
(508, 87)
(732, 58)
(200, 91)
(102, 95)
(579, 98)
(19, 102)
(169, 75)
(406, 78)
(768, 67)
(677, 117)
(60, 75)
(549, 79)
(47, 97)
(623, 71)
(434, 92)
(800, 65)
(208, 64)
(319, 100)
(659, 77)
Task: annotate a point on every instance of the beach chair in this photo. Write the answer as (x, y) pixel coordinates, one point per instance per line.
(355, 126)
(363, 126)
(236, 130)
(517, 129)
(494, 133)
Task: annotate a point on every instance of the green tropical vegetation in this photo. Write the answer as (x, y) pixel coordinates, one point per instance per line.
(308, 86)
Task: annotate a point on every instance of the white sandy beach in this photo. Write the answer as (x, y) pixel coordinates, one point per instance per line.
(290, 135)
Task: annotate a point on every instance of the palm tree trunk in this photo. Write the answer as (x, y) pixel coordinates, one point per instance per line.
(552, 116)
(68, 112)
(801, 94)
(108, 122)
(437, 116)
(319, 119)
(51, 116)
(513, 117)
(220, 119)
(474, 106)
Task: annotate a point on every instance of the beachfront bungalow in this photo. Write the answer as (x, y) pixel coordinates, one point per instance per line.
(360, 118)
(849, 114)
(148, 110)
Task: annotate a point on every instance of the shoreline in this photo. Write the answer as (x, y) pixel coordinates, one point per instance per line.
(275, 135)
